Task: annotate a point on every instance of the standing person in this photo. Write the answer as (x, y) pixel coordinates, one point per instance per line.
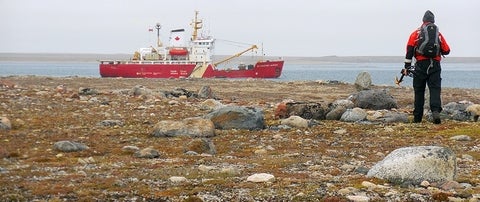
(427, 47)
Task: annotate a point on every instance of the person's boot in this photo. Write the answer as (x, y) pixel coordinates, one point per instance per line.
(436, 117)
(417, 119)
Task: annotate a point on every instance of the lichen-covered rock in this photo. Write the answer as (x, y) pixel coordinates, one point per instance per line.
(412, 165)
(110, 123)
(69, 146)
(261, 177)
(148, 153)
(206, 92)
(211, 104)
(295, 121)
(456, 111)
(337, 108)
(363, 81)
(5, 123)
(193, 127)
(354, 115)
(474, 111)
(386, 116)
(236, 117)
(200, 146)
(374, 99)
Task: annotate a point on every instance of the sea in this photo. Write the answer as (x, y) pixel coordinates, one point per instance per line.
(455, 74)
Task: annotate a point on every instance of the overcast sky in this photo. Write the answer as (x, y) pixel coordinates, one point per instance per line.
(284, 27)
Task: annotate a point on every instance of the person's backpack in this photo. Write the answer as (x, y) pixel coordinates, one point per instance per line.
(428, 41)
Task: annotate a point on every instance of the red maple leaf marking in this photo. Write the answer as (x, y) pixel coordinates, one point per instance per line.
(177, 38)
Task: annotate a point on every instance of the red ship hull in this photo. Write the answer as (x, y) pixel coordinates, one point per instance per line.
(264, 69)
(146, 70)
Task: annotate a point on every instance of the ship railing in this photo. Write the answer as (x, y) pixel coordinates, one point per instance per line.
(145, 62)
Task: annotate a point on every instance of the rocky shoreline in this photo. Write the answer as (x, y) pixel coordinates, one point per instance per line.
(101, 139)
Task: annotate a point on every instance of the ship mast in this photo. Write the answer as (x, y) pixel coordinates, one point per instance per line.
(158, 27)
(196, 24)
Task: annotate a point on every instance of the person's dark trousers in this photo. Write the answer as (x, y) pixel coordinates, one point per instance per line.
(427, 72)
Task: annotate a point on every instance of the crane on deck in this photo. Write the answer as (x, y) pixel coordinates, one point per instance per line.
(236, 55)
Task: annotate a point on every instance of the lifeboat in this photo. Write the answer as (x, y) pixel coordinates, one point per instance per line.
(178, 51)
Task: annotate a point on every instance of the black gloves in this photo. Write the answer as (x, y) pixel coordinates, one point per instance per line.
(404, 70)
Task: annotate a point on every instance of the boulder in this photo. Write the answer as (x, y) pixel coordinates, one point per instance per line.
(457, 110)
(140, 90)
(200, 146)
(148, 153)
(295, 121)
(309, 110)
(386, 116)
(210, 104)
(337, 108)
(87, 91)
(237, 117)
(110, 123)
(193, 127)
(363, 81)
(474, 111)
(412, 165)
(206, 92)
(261, 177)
(374, 99)
(69, 146)
(354, 115)
(5, 123)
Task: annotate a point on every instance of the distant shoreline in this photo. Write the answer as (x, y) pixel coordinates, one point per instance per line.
(90, 57)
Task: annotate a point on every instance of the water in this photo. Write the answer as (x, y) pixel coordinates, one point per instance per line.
(455, 75)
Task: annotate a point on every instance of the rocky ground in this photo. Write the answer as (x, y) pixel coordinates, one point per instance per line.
(326, 162)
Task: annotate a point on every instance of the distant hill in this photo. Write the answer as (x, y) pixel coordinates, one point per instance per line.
(89, 57)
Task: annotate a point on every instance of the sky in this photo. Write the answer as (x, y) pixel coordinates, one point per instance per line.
(304, 28)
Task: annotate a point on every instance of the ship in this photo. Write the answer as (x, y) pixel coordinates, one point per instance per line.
(187, 58)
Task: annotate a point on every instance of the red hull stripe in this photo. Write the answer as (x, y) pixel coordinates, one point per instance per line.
(268, 69)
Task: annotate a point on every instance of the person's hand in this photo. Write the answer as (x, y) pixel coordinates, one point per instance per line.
(405, 69)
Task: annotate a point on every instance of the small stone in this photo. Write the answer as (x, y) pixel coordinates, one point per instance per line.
(5, 123)
(347, 190)
(358, 198)
(461, 138)
(131, 149)
(177, 179)
(205, 168)
(425, 183)
(451, 185)
(260, 151)
(261, 177)
(369, 185)
(148, 153)
(230, 171)
(69, 146)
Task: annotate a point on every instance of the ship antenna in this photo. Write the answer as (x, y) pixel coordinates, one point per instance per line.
(197, 24)
(158, 26)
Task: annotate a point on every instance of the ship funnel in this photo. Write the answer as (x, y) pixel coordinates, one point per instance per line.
(177, 38)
